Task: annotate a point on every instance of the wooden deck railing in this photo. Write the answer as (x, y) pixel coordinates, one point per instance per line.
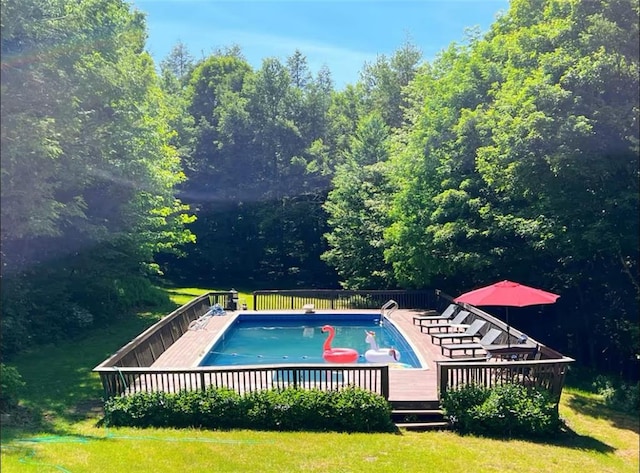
(334, 299)
(129, 370)
(547, 371)
(544, 374)
(145, 349)
(118, 381)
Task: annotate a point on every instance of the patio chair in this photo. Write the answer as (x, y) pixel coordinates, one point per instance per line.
(457, 323)
(470, 334)
(447, 314)
(488, 338)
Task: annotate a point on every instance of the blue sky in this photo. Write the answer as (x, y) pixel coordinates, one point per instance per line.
(343, 34)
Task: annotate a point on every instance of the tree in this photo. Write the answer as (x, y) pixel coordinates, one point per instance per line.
(564, 132)
(298, 70)
(86, 161)
(259, 169)
(179, 63)
(521, 162)
(438, 230)
(385, 79)
(357, 210)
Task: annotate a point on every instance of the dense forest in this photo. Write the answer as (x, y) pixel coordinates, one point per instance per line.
(514, 154)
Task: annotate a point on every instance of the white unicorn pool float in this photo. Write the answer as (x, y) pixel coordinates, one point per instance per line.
(375, 354)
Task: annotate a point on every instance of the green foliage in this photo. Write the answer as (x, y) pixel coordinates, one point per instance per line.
(257, 170)
(625, 398)
(88, 169)
(383, 82)
(67, 298)
(104, 167)
(520, 160)
(347, 410)
(509, 410)
(11, 384)
(622, 396)
(361, 410)
(176, 67)
(513, 154)
(217, 407)
(358, 212)
(457, 403)
(143, 409)
(14, 323)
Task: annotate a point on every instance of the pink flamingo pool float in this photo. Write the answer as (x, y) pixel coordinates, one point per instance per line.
(336, 355)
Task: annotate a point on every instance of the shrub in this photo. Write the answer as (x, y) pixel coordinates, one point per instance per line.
(68, 297)
(622, 397)
(621, 394)
(457, 404)
(216, 408)
(141, 410)
(509, 410)
(361, 408)
(350, 410)
(11, 384)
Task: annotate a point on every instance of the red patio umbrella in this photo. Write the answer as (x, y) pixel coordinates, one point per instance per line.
(508, 294)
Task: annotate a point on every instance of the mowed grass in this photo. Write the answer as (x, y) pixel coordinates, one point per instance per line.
(607, 442)
(183, 295)
(62, 388)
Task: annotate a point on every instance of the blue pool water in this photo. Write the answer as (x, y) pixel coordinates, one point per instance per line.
(275, 339)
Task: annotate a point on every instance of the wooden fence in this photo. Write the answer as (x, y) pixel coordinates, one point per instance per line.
(334, 299)
(118, 381)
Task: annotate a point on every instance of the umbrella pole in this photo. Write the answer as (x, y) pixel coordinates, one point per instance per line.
(508, 328)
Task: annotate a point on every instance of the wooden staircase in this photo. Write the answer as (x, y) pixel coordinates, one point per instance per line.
(418, 415)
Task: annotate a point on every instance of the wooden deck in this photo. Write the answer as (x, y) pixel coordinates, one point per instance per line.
(404, 384)
(166, 355)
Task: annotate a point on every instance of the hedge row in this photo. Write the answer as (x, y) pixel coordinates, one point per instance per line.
(347, 410)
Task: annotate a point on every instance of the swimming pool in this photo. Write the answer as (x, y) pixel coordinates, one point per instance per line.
(256, 339)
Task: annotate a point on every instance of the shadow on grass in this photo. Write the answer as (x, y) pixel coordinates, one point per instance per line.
(61, 387)
(598, 410)
(43, 431)
(566, 438)
(184, 293)
(570, 439)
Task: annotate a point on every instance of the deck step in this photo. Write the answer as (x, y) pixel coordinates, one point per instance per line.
(422, 412)
(419, 419)
(415, 405)
(443, 425)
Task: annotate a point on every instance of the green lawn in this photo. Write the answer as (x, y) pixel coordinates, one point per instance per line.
(62, 388)
(185, 294)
